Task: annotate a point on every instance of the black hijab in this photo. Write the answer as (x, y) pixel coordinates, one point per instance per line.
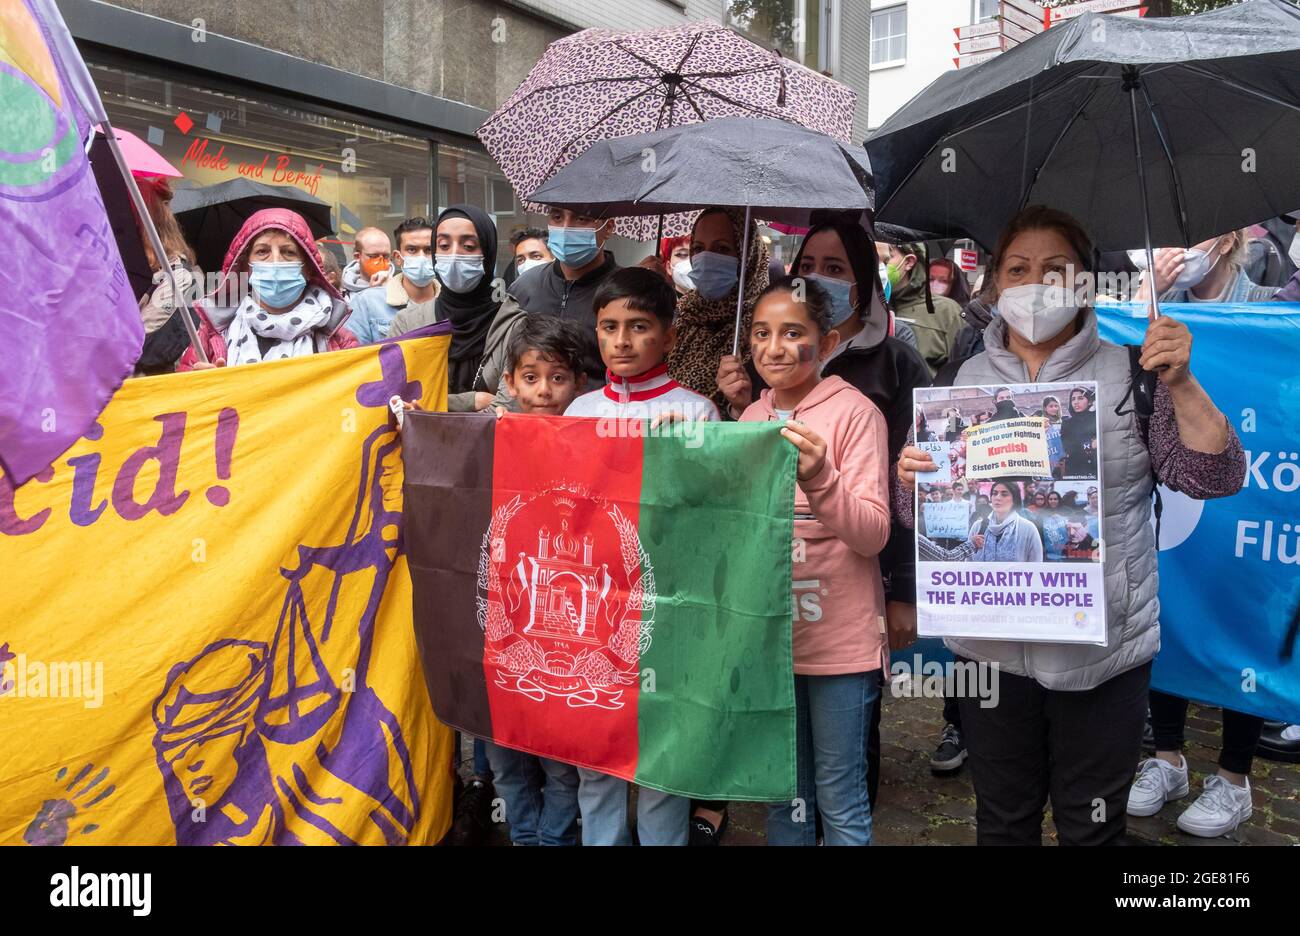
(470, 313)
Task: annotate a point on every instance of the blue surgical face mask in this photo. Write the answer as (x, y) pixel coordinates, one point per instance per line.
(418, 269)
(459, 272)
(714, 274)
(573, 246)
(278, 284)
(842, 309)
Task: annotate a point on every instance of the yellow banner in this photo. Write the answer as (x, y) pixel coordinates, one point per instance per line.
(205, 621)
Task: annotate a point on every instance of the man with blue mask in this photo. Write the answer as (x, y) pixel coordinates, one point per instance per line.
(413, 288)
(563, 287)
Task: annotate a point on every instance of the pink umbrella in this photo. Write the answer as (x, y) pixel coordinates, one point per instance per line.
(599, 84)
(142, 158)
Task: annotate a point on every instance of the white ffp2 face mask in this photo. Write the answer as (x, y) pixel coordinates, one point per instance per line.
(1197, 265)
(682, 275)
(1036, 311)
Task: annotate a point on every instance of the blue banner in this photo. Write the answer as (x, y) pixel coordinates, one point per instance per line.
(1230, 568)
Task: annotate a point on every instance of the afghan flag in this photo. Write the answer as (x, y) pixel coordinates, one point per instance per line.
(611, 596)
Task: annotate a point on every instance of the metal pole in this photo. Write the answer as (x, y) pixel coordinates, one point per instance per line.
(1132, 81)
(159, 252)
(740, 286)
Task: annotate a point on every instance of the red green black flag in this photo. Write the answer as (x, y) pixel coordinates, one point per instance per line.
(618, 598)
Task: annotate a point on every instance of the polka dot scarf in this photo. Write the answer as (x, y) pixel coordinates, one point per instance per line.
(291, 330)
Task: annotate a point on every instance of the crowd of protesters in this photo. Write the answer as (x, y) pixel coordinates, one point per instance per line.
(832, 348)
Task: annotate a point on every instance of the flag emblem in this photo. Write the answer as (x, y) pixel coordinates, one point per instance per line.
(566, 598)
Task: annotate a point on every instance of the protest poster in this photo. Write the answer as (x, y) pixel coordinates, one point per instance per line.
(1026, 561)
(207, 616)
(941, 454)
(1012, 446)
(947, 519)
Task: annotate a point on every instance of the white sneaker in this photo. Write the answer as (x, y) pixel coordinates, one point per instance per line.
(1157, 783)
(1220, 809)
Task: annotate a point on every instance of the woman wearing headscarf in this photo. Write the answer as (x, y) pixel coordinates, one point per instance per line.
(289, 311)
(706, 316)
(1006, 535)
(1079, 435)
(464, 258)
(947, 279)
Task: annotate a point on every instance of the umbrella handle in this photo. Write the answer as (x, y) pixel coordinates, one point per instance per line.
(740, 285)
(159, 252)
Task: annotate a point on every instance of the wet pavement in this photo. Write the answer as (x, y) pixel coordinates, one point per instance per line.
(916, 807)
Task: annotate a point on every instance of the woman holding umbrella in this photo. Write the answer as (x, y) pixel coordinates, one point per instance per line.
(1069, 720)
(706, 316)
(290, 311)
(839, 256)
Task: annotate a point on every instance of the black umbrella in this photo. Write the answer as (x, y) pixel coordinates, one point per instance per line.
(211, 215)
(775, 170)
(1165, 131)
(779, 170)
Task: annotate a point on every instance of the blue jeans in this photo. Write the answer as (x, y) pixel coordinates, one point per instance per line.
(541, 796)
(482, 769)
(832, 721)
(661, 818)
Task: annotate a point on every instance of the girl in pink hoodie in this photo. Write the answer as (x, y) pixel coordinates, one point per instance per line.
(841, 523)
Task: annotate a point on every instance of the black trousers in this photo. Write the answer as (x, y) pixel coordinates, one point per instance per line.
(1240, 731)
(1078, 748)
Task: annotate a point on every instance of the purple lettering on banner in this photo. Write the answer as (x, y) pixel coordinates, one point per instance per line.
(83, 482)
(227, 426)
(165, 498)
(10, 523)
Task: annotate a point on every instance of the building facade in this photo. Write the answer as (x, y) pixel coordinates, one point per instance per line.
(372, 105)
(912, 43)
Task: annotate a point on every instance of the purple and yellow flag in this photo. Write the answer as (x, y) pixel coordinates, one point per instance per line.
(205, 622)
(71, 327)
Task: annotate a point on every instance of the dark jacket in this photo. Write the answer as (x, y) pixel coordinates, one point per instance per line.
(543, 290)
(1290, 292)
(887, 374)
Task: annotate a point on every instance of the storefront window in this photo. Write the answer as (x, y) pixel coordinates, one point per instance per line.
(793, 26)
(472, 178)
(366, 175)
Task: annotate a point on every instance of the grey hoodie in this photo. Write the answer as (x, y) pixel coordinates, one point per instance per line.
(353, 279)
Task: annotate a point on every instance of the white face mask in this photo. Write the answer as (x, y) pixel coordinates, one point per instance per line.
(1037, 312)
(529, 264)
(1294, 252)
(682, 275)
(1196, 265)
